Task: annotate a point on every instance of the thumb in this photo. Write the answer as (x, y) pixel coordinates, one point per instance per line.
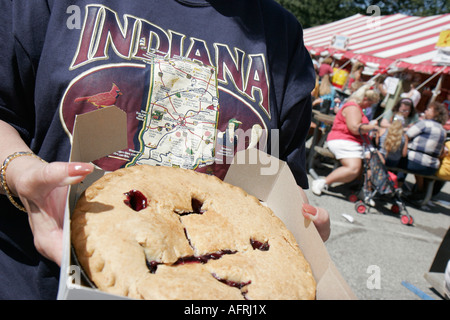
(64, 173)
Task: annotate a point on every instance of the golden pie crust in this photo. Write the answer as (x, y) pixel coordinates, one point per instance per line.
(197, 238)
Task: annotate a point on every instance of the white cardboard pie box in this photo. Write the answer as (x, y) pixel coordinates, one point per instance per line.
(100, 133)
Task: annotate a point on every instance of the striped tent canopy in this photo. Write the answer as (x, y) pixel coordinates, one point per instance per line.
(384, 42)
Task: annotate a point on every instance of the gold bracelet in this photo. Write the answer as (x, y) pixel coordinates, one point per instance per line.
(3, 175)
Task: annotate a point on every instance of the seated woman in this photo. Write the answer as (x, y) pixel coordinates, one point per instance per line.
(327, 96)
(426, 143)
(392, 143)
(404, 108)
(345, 140)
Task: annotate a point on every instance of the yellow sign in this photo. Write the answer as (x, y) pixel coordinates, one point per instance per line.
(444, 39)
(339, 77)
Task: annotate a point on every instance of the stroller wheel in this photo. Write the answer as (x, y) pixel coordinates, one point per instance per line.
(395, 209)
(353, 198)
(406, 219)
(360, 207)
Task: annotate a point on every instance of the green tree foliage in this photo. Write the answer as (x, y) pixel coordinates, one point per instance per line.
(312, 12)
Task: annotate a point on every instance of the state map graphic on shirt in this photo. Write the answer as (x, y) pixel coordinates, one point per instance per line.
(180, 116)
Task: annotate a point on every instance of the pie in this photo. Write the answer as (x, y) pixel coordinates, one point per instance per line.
(155, 232)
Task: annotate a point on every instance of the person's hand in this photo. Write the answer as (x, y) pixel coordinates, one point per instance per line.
(317, 101)
(320, 218)
(42, 189)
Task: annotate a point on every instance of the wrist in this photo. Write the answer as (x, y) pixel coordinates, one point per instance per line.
(366, 127)
(363, 127)
(19, 167)
(14, 167)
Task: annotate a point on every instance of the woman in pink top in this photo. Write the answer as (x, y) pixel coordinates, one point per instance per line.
(345, 141)
(326, 68)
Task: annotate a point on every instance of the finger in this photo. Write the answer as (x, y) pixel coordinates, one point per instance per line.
(309, 212)
(322, 223)
(320, 218)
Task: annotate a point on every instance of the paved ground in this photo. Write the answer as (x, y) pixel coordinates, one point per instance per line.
(377, 255)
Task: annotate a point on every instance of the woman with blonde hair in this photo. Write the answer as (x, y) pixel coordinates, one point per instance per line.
(326, 92)
(345, 141)
(325, 86)
(392, 143)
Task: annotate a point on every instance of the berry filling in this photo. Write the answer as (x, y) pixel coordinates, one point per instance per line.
(230, 283)
(263, 246)
(152, 266)
(196, 208)
(135, 200)
(190, 259)
(204, 258)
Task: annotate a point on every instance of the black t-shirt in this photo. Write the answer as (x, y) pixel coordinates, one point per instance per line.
(187, 73)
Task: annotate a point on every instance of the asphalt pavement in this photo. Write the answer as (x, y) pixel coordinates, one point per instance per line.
(378, 256)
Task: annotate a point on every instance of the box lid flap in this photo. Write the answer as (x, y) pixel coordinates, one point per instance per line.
(98, 133)
(332, 286)
(273, 182)
(262, 168)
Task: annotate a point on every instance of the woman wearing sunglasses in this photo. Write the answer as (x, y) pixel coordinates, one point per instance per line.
(403, 110)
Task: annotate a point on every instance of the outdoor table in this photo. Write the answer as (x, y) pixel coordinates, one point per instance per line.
(323, 123)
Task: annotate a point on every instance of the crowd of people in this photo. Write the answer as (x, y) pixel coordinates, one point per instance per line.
(405, 137)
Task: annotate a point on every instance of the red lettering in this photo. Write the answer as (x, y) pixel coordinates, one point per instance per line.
(112, 34)
(103, 30)
(199, 51)
(83, 53)
(257, 80)
(152, 40)
(97, 38)
(229, 66)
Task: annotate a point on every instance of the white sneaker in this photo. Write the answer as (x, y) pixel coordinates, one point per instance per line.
(370, 202)
(318, 186)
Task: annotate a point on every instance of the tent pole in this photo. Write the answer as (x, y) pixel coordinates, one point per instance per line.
(437, 90)
(344, 65)
(430, 78)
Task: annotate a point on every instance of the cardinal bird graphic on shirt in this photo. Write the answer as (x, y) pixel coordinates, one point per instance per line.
(104, 99)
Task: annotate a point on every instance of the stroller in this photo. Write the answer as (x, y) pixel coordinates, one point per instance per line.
(379, 182)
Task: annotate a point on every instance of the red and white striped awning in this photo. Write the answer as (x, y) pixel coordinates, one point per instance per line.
(392, 41)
